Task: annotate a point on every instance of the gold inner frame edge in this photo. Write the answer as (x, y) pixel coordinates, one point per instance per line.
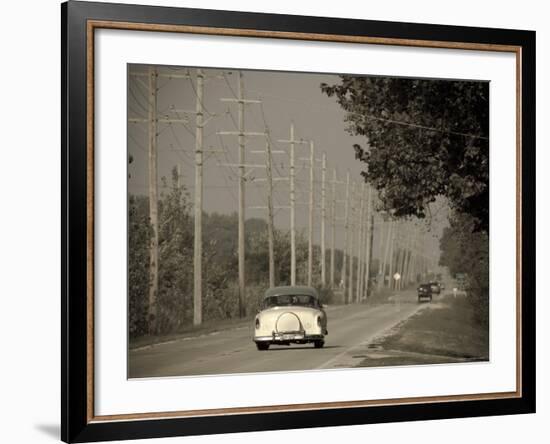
(92, 25)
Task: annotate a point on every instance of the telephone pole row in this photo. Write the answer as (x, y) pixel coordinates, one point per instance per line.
(293, 142)
(241, 102)
(152, 121)
(358, 220)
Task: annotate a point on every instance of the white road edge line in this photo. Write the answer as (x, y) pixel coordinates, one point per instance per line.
(331, 361)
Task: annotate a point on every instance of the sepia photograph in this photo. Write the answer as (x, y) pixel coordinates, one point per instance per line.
(276, 222)
(296, 221)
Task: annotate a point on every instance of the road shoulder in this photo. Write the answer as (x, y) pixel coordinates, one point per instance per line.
(445, 332)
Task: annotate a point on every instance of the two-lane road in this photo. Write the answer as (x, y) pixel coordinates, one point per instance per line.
(233, 351)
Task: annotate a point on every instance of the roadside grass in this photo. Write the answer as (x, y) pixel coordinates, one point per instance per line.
(205, 328)
(445, 331)
(379, 296)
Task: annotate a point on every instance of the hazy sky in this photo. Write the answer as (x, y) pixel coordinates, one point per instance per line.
(285, 97)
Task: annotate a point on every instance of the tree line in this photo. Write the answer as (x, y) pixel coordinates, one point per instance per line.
(220, 277)
(424, 139)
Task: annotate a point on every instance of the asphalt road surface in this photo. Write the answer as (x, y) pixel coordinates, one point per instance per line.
(233, 351)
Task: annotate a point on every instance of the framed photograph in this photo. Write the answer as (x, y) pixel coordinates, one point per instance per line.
(275, 221)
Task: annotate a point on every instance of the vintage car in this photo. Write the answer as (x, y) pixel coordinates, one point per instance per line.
(436, 287)
(290, 315)
(425, 292)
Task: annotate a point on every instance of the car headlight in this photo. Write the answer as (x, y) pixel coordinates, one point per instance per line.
(257, 323)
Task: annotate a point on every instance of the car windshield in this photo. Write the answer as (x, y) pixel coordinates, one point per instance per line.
(290, 299)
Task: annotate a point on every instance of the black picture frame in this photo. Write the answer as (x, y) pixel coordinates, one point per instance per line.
(77, 425)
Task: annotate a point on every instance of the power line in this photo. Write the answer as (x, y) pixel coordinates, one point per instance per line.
(137, 101)
(137, 143)
(135, 111)
(164, 84)
(229, 85)
(178, 141)
(228, 187)
(414, 125)
(228, 112)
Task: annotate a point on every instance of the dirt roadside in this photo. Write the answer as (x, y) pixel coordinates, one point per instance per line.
(445, 332)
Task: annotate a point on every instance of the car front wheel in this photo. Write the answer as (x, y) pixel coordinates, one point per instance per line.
(262, 345)
(319, 343)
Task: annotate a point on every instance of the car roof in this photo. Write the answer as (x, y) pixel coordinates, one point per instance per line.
(291, 290)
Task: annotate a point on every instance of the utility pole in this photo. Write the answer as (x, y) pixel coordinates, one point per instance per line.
(269, 161)
(346, 236)
(292, 141)
(153, 202)
(241, 102)
(360, 232)
(332, 227)
(389, 229)
(292, 207)
(369, 243)
(381, 234)
(392, 248)
(406, 267)
(397, 256)
(398, 259)
(410, 265)
(323, 219)
(268, 152)
(410, 237)
(242, 179)
(197, 249)
(362, 257)
(411, 272)
(416, 257)
(311, 211)
(365, 245)
(402, 281)
(351, 244)
(410, 258)
(178, 172)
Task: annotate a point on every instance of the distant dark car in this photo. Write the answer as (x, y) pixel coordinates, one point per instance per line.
(436, 287)
(425, 292)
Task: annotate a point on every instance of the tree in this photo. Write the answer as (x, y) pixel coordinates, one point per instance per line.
(175, 256)
(173, 303)
(139, 234)
(424, 138)
(465, 251)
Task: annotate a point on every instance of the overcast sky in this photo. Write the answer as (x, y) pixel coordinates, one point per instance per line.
(285, 97)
